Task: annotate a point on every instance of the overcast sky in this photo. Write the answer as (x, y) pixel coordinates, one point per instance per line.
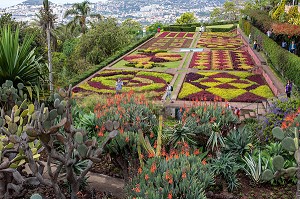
(7, 3)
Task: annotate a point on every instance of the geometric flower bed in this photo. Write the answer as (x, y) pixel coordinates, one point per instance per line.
(236, 86)
(176, 35)
(149, 59)
(104, 82)
(222, 60)
(219, 40)
(167, 44)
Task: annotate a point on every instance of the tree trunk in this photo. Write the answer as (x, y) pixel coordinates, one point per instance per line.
(49, 58)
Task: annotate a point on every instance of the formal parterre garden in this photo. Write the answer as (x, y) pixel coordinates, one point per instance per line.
(48, 146)
(147, 59)
(222, 60)
(228, 86)
(220, 40)
(104, 82)
(167, 43)
(176, 35)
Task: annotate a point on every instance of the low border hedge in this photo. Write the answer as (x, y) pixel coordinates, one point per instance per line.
(77, 79)
(220, 29)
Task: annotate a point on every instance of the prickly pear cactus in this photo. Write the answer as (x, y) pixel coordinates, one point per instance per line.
(290, 142)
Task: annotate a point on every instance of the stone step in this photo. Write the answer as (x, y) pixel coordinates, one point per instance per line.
(252, 114)
(261, 111)
(242, 118)
(247, 116)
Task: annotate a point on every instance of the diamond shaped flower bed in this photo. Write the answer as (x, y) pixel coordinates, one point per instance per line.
(219, 40)
(233, 86)
(167, 43)
(176, 35)
(152, 83)
(149, 59)
(222, 60)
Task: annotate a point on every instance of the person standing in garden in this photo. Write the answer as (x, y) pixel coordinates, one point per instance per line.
(283, 44)
(119, 85)
(292, 47)
(254, 45)
(169, 92)
(288, 88)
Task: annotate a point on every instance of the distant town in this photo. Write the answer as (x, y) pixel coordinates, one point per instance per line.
(144, 11)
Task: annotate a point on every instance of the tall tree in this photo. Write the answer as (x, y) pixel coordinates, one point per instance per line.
(80, 11)
(186, 18)
(46, 21)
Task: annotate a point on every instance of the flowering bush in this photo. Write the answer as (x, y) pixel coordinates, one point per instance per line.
(133, 114)
(177, 175)
(230, 86)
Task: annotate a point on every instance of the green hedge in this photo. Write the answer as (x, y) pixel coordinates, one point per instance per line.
(109, 60)
(220, 29)
(282, 60)
(180, 28)
(191, 27)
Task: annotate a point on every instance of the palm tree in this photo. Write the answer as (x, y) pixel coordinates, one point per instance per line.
(18, 62)
(80, 11)
(46, 21)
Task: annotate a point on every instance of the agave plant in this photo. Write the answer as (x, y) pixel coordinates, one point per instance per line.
(181, 132)
(18, 62)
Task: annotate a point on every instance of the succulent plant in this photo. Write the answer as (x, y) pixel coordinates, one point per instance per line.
(289, 139)
(26, 128)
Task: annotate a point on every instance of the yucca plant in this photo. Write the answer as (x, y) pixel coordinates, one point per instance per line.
(18, 62)
(253, 168)
(215, 139)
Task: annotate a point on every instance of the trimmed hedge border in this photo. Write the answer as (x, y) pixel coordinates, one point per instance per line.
(192, 26)
(282, 60)
(221, 29)
(74, 81)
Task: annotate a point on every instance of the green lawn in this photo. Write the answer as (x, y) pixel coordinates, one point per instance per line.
(221, 26)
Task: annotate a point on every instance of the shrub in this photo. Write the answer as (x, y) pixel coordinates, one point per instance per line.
(174, 176)
(226, 166)
(285, 63)
(276, 14)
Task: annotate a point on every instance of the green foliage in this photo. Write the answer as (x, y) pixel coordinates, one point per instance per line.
(280, 9)
(182, 177)
(86, 73)
(226, 165)
(220, 29)
(181, 132)
(18, 62)
(293, 12)
(207, 116)
(253, 167)
(186, 18)
(239, 141)
(285, 63)
(69, 46)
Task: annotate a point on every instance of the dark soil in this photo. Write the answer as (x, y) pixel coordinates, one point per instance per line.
(249, 190)
(48, 193)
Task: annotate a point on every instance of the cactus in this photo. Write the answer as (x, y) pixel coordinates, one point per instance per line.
(278, 162)
(290, 142)
(267, 175)
(26, 127)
